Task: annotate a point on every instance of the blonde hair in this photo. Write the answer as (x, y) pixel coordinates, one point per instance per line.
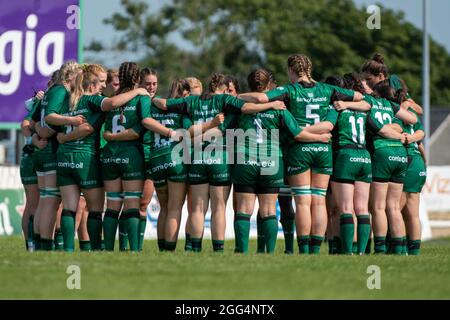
(194, 82)
(95, 69)
(89, 77)
(91, 74)
(76, 91)
(69, 72)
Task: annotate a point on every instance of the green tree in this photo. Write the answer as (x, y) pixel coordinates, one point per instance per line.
(234, 36)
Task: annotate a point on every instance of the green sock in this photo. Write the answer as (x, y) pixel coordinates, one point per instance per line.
(218, 245)
(331, 246)
(380, 244)
(355, 248)
(94, 226)
(270, 230)
(85, 245)
(110, 222)
(242, 232)
(187, 243)
(397, 245)
(170, 246)
(404, 246)
(369, 245)
(132, 227)
(30, 234)
(414, 247)
(288, 231)
(388, 243)
(303, 244)
(46, 244)
(314, 244)
(142, 225)
(338, 245)
(68, 229)
(161, 245)
(363, 232)
(347, 232)
(59, 240)
(260, 242)
(123, 236)
(196, 244)
(37, 241)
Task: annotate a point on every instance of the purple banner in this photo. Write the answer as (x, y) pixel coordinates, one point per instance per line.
(36, 37)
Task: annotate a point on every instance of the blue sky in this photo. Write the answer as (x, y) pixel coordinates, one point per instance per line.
(96, 10)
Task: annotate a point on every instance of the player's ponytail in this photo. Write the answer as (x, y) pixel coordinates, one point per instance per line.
(301, 65)
(259, 80)
(375, 66)
(217, 82)
(71, 76)
(128, 76)
(378, 58)
(76, 90)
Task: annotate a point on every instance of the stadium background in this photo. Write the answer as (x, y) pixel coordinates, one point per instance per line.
(34, 60)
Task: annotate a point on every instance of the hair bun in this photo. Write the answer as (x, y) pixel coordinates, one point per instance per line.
(378, 58)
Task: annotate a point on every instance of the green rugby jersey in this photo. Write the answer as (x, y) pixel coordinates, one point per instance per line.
(259, 132)
(310, 103)
(88, 106)
(350, 128)
(102, 140)
(54, 99)
(204, 108)
(146, 139)
(126, 117)
(201, 109)
(159, 145)
(381, 113)
(411, 148)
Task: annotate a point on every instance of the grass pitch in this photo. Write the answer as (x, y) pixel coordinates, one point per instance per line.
(180, 275)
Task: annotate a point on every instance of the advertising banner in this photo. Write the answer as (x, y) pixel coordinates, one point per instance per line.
(436, 191)
(36, 37)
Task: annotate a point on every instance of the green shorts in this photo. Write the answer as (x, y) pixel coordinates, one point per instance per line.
(389, 164)
(352, 165)
(416, 174)
(214, 170)
(305, 156)
(163, 168)
(126, 163)
(258, 175)
(78, 168)
(27, 169)
(45, 163)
